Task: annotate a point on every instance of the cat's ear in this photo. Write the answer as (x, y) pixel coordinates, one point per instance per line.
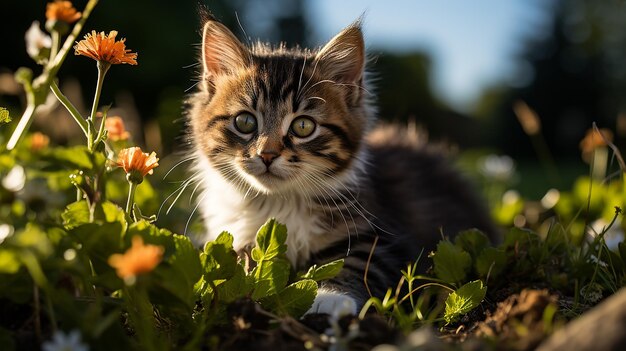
(222, 52)
(343, 57)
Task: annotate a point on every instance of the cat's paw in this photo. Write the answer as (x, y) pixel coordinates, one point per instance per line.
(333, 303)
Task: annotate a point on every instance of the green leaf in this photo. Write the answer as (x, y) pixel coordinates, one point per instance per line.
(77, 213)
(325, 271)
(238, 286)
(4, 116)
(270, 239)
(522, 238)
(9, 262)
(32, 238)
(451, 262)
(226, 239)
(491, 261)
(473, 241)
(621, 247)
(72, 157)
(180, 271)
(218, 259)
(100, 241)
(463, 300)
(294, 300)
(269, 278)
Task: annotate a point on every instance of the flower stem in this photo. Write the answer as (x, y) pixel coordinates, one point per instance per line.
(69, 106)
(56, 40)
(131, 198)
(141, 315)
(103, 68)
(22, 126)
(102, 125)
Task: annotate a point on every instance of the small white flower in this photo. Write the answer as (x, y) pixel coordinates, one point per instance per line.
(496, 167)
(594, 259)
(15, 179)
(5, 231)
(37, 42)
(65, 342)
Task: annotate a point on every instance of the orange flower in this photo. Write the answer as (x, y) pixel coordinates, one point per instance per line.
(116, 129)
(39, 141)
(62, 11)
(139, 258)
(136, 163)
(104, 48)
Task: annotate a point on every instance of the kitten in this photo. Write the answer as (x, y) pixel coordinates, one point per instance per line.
(289, 133)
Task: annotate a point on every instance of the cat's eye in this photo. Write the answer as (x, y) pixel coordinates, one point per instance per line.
(302, 127)
(245, 123)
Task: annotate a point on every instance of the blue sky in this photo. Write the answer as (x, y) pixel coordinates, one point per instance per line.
(472, 42)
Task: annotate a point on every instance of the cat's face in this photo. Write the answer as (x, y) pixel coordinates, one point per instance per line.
(278, 120)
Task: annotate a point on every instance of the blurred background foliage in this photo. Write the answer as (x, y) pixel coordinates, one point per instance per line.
(571, 75)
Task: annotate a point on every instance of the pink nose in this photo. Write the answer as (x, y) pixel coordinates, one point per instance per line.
(268, 157)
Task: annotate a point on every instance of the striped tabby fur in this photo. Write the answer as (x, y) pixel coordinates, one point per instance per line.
(337, 185)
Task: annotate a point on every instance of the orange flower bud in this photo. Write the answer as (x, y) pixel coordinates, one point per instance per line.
(39, 141)
(62, 11)
(116, 129)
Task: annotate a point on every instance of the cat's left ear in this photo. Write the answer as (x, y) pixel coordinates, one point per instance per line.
(222, 52)
(343, 57)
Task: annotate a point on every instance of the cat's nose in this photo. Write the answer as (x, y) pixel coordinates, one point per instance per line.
(268, 156)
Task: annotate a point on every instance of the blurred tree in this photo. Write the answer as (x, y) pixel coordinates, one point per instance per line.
(275, 21)
(572, 77)
(402, 87)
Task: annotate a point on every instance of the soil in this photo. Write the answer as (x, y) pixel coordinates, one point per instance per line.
(518, 322)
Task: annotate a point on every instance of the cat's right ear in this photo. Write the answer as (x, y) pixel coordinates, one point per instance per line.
(222, 52)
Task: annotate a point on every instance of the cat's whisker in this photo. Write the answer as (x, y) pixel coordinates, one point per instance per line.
(192, 86)
(178, 191)
(355, 86)
(191, 65)
(311, 202)
(361, 210)
(317, 83)
(307, 199)
(315, 97)
(193, 212)
(356, 205)
(345, 203)
(301, 74)
(319, 184)
(309, 80)
(194, 191)
(178, 164)
(241, 27)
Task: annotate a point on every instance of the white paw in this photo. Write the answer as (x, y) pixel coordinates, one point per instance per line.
(333, 303)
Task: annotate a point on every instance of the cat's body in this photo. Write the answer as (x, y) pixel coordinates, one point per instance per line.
(288, 134)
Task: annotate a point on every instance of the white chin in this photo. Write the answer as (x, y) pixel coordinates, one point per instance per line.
(266, 183)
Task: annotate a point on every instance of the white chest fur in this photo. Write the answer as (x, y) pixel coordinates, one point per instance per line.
(225, 208)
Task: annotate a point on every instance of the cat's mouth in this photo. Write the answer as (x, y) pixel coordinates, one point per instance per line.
(266, 179)
(269, 175)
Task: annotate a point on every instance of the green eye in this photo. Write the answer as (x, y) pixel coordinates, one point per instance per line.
(302, 127)
(245, 123)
